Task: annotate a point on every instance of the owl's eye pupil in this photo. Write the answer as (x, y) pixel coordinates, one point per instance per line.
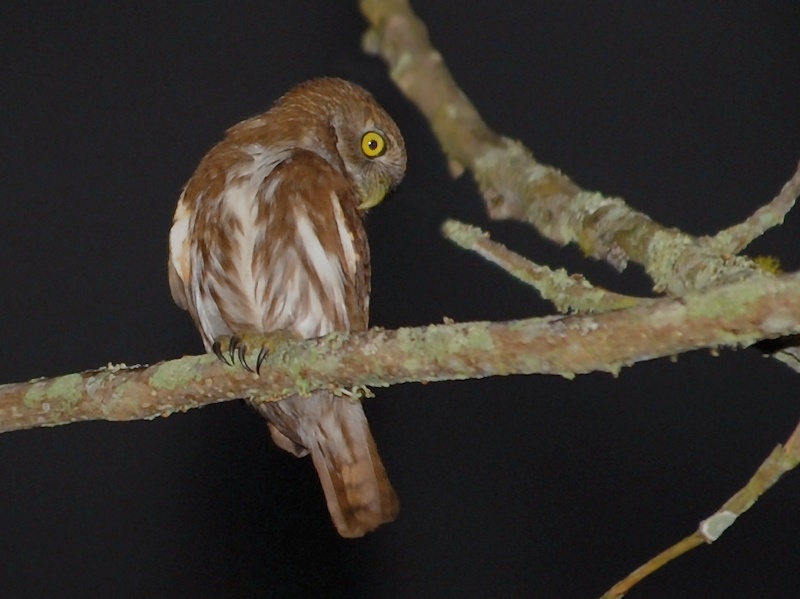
(373, 144)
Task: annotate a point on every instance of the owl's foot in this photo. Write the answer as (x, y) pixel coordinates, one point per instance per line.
(231, 349)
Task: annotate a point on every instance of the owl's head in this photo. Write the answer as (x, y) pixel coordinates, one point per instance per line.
(343, 123)
(367, 139)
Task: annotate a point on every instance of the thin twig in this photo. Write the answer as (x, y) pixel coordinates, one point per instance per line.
(736, 238)
(568, 293)
(626, 584)
(782, 459)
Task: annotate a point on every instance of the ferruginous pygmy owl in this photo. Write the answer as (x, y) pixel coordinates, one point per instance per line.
(268, 235)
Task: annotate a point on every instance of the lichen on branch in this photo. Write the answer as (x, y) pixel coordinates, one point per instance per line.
(737, 314)
(568, 293)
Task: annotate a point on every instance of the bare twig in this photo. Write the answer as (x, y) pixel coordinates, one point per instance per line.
(782, 459)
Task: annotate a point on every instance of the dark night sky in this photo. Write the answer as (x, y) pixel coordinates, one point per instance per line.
(514, 487)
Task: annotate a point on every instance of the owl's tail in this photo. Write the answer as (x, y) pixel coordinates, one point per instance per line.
(358, 492)
(335, 432)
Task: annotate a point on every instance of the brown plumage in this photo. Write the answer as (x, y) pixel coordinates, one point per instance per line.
(268, 235)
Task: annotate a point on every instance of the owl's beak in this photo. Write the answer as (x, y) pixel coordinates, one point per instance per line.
(371, 202)
(374, 195)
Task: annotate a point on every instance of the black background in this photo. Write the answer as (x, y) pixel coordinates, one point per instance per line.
(510, 487)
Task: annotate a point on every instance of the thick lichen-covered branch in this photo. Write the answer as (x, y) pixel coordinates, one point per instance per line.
(737, 314)
(514, 185)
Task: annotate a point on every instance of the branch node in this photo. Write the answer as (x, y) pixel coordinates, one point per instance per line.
(713, 527)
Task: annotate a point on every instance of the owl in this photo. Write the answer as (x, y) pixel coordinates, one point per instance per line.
(268, 235)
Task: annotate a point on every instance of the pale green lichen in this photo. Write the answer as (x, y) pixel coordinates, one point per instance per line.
(584, 205)
(479, 337)
(404, 61)
(66, 389)
(441, 342)
(507, 168)
(335, 340)
(728, 303)
(663, 252)
(34, 395)
(569, 294)
(169, 377)
(304, 386)
(175, 375)
(462, 234)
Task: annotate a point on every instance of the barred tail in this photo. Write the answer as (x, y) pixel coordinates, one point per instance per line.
(335, 432)
(358, 492)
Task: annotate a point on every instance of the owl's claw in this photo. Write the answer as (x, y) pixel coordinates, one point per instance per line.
(228, 349)
(233, 349)
(241, 353)
(233, 344)
(262, 355)
(219, 351)
(237, 351)
(243, 359)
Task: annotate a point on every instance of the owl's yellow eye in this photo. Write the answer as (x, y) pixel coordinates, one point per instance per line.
(373, 144)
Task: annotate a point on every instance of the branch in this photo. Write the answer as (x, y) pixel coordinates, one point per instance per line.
(736, 238)
(566, 292)
(514, 185)
(782, 459)
(738, 314)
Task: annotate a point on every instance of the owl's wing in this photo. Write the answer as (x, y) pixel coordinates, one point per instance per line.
(310, 260)
(275, 243)
(178, 263)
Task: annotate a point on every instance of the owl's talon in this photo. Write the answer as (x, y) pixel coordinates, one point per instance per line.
(233, 344)
(232, 350)
(216, 347)
(220, 347)
(262, 355)
(241, 352)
